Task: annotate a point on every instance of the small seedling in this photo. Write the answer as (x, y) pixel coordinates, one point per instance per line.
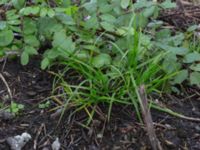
(15, 108)
(44, 105)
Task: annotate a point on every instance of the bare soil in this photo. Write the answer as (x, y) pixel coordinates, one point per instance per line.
(30, 86)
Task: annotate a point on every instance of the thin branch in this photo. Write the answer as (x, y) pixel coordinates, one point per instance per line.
(6, 84)
(155, 143)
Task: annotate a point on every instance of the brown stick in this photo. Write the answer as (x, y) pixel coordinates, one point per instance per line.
(155, 143)
(6, 84)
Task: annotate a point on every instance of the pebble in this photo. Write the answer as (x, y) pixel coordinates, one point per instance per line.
(19, 141)
(56, 145)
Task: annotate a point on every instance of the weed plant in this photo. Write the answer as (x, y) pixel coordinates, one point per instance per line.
(114, 45)
(114, 83)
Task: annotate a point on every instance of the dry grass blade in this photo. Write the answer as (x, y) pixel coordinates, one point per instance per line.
(6, 84)
(148, 119)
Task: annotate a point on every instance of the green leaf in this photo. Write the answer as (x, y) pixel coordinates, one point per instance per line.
(2, 25)
(170, 63)
(63, 43)
(181, 76)
(29, 26)
(45, 63)
(125, 3)
(143, 4)
(195, 67)
(18, 4)
(91, 6)
(65, 19)
(31, 40)
(108, 26)
(175, 50)
(20, 106)
(192, 28)
(83, 55)
(106, 8)
(3, 2)
(163, 34)
(43, 12)
(167, 4)
(33, 10)
(24, 58)
(108, 18)
(16, 29)
(149, 11)
(101, 60)
(195, 78)
(47, 26)
(91, 23)
(192, 57)
(51, 13)
(6, 37)
(30, 50)
(44, 105)
(14, 22)
(52, 53)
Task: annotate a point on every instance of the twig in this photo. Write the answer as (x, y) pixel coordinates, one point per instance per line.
(4, 63)
(6, 84)
(155, 143)
(169, 111)
(37, 136)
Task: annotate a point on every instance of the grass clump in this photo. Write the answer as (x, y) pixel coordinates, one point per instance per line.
(116, 82)
(114, 46)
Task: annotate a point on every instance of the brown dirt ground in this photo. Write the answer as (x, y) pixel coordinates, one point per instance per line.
(30, 86)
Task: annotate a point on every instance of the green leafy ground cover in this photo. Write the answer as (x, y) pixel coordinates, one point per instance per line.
(114, 45)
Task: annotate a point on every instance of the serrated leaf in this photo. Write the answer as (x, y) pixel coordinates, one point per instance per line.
(149, 11)
(83, 55)
(18, 4)
(29, 26)
(31, 40)
(192, 57)
(15, 28)
(125, 3)
(24, 58)
(33, 10)
(51, 13)
(43, 12)
(30, 50)
(91, 23)
(195, 78)
(45, 63)
(143, 4)
(167, 4)
(101, 60)
(52, 53)
(63, 43)
(65, 19)
(106, 8)
(181, 76)
(2, 25)
(14, 22)
(195, 67)
(175, 50)
(170, 63)
(192, 28)
(91, 6)
(108, 26)
(6, 37)
(108, 18)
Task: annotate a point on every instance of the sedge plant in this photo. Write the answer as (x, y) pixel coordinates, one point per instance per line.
(114, 83)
